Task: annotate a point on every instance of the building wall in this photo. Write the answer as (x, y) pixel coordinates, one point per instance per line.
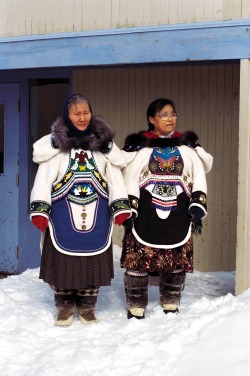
(242, 275)
(207, 98)
(29, 17)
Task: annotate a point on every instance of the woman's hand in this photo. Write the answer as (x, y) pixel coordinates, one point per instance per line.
(40, 222)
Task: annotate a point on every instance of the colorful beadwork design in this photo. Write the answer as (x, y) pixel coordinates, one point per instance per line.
(118, 205)
(40, 207)
(166, 161)
(199, 198)
(81, 177)
(82, 193)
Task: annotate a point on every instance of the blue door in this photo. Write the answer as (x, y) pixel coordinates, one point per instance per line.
(9, 177)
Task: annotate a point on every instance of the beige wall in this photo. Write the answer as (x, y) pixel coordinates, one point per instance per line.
(207, 98)
(28, 17)
(243, 220)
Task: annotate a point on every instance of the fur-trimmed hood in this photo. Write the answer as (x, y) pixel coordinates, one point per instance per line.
(137, 141)
(99, 140)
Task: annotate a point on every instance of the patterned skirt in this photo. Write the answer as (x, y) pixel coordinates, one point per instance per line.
(142, 258)
(75, 272)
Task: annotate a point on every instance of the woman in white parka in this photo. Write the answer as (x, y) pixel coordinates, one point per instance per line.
(76, 195)
(167, 188)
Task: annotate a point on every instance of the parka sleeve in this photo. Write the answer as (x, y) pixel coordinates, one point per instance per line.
(43, 149)
(199, 189)
(132, 177)
(206, 158)
(118, 157)
(40, 200)
(118, 197)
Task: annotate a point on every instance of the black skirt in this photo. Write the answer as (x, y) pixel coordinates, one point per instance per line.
(75, 272)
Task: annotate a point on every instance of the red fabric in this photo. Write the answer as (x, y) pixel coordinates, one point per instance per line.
(150, 134)
(40, 222)
(120, 218)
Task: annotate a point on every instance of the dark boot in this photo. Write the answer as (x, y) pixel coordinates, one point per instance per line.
(65, 303)
(136, 289)
(85, 303)
(171, 286)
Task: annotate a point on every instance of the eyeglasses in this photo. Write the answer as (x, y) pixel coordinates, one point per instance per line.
(166, 116)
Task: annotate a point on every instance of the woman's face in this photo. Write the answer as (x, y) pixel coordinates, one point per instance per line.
(166, 126)
(80, 115)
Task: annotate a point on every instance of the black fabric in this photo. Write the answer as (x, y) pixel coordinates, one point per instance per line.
(196, 214)
(189, 138)
(137, 141)
(155, 230)
(128, 223)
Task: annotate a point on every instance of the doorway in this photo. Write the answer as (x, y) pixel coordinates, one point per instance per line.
(46, 97)
(9, 177)
(20, 126)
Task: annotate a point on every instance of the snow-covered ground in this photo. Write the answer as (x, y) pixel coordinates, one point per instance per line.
(209, 337)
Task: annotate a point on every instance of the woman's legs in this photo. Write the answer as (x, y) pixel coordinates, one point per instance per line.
(136, 289)
(86, 300)
(65, 304)
(66, 301)
(171, 286)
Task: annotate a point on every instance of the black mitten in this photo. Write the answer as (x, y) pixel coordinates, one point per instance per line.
(128, 223)
(196, 213)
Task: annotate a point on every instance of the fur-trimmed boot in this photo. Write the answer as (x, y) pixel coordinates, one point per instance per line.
(171, 286)
(85, 303)
(65, 303)
(136, 289)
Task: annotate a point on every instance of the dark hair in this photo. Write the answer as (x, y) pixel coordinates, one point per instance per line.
(77, 98)
(156, 106)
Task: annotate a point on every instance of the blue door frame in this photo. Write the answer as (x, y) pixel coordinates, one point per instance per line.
(26, 253)
(9, 177)
(225, 40)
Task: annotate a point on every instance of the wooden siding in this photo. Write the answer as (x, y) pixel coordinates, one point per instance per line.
(207, 98)
(243, 222)
(30, 17)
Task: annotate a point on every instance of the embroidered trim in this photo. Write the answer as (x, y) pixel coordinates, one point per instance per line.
(200, 198)
(86, 178)
(40, 207)
(183, 181)
(81, 170)
(135, 273)
(164, 205)
(165, 190)
(82, 193)
(81, 200)
(119, 205)
(133, 201)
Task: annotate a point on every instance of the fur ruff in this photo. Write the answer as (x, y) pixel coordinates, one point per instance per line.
(98, 140)
(137, 141)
